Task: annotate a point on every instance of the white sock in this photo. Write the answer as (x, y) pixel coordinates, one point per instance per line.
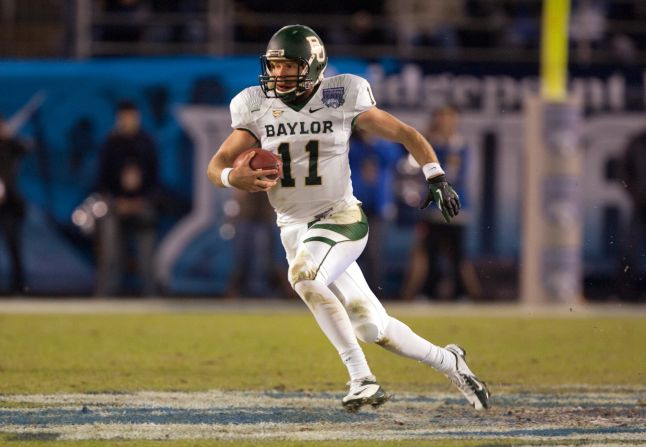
(335, 323)
(355, 360)
(401, 339)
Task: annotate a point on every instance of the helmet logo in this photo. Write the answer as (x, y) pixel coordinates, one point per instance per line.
(275, 53)
(317, 49)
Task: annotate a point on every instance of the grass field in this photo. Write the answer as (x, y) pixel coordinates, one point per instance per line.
(202, 365)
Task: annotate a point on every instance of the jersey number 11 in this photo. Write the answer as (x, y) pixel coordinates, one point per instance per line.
(313, 178)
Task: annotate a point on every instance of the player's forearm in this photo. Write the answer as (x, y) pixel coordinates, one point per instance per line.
(214, 171)
(418, 146)
(235, 143)
(387, 126)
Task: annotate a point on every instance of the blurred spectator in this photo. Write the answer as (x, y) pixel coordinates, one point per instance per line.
(128, 180)
(489, 20)
(421, 22)
(187, 29)
(626, 24)
(247, 28)
(128, 20)
(372, 162)
(257, 271)
(623, 48)
(633, 267)
(12, 206)
(520, 25)
(587, 27)
(367, 29)
(437, 267)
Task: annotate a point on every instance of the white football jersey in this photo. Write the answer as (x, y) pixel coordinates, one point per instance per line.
(313, 144)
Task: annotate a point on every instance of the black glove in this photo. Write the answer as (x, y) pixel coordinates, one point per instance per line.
(443, 194)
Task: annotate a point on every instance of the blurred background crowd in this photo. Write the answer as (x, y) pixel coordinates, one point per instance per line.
(110, 110)
(485, 30)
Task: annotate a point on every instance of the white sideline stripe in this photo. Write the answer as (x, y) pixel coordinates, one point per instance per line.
(608, 394)
(407, 416)
(186, 400)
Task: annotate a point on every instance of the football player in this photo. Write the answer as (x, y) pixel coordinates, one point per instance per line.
(307, 120)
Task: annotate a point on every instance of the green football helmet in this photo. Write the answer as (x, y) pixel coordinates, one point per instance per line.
(295, 43)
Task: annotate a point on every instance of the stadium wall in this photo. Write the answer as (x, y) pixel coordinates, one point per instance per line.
(67, 129)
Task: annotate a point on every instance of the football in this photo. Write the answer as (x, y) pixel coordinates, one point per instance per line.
(262, 160)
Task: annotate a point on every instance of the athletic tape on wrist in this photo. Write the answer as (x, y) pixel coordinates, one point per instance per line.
(224, 176)
(432, 170)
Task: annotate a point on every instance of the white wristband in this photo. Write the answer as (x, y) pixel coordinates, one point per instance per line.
(224, 176)
(432, 170)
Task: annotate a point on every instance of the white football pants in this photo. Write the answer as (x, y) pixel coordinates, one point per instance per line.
(327, 252)
(323, 271)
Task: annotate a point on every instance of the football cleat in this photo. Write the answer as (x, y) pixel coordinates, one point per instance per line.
(474, 389)
(362, 392)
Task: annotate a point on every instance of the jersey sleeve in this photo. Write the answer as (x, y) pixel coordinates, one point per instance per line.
(362, 98)
(241, 113)
(365, 99)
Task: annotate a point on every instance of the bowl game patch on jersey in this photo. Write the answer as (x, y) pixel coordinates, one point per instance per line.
(333, 97)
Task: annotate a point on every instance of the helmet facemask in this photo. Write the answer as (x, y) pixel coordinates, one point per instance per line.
(298, 84)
